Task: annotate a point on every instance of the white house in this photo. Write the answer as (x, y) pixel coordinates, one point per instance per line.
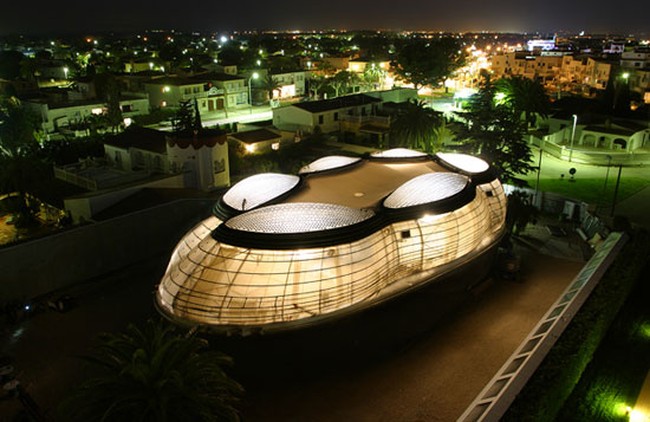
(56, 115)
(138, 158)
(330, 115)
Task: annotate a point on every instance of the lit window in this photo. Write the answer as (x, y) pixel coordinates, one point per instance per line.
(250, 148)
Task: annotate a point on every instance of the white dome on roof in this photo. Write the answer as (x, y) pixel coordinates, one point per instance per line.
(426, 189)
(464, 162)
(328, 163)
(298, 217)
(259, 189)
(398, 153)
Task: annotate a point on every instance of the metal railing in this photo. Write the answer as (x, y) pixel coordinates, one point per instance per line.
(499, 393)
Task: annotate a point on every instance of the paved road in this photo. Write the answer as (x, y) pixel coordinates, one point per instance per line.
(433, 379)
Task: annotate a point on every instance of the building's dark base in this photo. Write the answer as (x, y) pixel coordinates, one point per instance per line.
(359, 338)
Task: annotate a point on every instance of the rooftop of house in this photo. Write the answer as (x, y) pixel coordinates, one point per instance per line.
(253, 136)
(176, 81)
(140, 137)
(610, 130)
(216, 76)
(336, 103)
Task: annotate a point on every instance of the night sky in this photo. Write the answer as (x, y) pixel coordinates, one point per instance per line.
(592, 16)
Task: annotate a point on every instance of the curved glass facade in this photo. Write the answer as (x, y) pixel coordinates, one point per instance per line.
(260, 283)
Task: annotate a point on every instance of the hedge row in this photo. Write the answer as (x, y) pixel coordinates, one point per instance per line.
(613, 379)
(552, 383)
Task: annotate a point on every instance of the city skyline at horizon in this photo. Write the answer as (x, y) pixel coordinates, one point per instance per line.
(506, 16)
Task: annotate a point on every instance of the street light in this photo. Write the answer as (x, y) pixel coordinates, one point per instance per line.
(618, 182)
(65, 72)
(573, 135)
(609, 163)
(255, 75)
(539, 170)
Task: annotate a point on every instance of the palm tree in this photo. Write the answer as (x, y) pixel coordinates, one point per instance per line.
(153, 374)
(525, 96)
(373, 76)
(271, 85)
(415, 127)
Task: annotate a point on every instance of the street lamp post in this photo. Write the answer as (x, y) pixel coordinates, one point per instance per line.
(255, 75)
(604, 195)
(573, 135)
(539, 170)
(618, 182)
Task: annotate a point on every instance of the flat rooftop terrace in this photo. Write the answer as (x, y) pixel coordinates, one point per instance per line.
(362, 185)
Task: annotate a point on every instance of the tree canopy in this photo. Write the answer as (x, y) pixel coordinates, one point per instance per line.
(525, 96)
(415, 126)
(428, 62)
(495, 131)
(22, 169)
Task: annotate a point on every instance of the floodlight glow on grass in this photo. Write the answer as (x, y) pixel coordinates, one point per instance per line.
(645, 330)
(636, 415)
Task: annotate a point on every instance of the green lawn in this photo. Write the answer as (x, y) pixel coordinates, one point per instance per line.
(591, 190)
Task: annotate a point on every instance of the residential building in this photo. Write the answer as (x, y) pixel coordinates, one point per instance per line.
(598, 73)
(140, 157)
(62, 114)
(290, 84)
(639, 58)
(356, 114)
(360, 65)
(542, 67)
(324, 114)
(225, 91)
(169, 91)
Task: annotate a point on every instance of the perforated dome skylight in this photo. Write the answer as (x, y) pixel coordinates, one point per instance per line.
(426, 189)
(299, 217)
(328, 163)
(464, 162)
(398, 153)
(259, 189)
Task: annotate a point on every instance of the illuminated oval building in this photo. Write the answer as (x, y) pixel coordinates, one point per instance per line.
(344, 236)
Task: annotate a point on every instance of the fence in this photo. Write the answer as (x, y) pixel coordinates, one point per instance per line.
(594, 157)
